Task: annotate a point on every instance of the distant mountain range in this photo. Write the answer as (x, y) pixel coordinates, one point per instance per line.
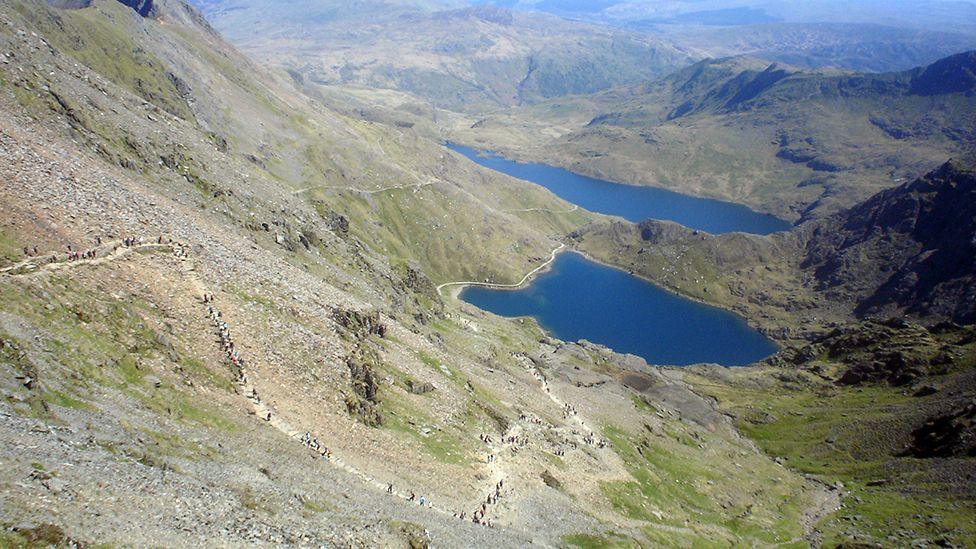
(930, 14)
(459, 59)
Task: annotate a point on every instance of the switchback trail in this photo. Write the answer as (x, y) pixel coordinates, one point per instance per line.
(116, 251)
(552, 257)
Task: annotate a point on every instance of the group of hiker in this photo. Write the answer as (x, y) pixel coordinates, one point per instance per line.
(568, 411)
(230, 350)
(533, 420)
(424, 502)
(226, 341)
(75, 255)
(478, 517)
(591, 440)
(312, 442)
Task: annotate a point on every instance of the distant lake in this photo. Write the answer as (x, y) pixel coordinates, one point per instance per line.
(580, 299)
(633, 202)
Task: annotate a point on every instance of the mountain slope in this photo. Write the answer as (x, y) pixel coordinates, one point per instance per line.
(230, 334)
(791, 142)
(912, 248)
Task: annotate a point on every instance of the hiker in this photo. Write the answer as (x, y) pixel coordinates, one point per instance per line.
(389, 489)
(35, 251)
(26, 252)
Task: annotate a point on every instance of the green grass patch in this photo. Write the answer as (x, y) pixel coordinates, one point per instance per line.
(444, 444)
(853, 435)
(606, 541)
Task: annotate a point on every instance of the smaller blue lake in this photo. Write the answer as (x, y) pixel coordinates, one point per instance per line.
(580, 299)
(632, 202)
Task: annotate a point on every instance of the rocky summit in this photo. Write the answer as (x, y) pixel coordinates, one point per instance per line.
(234, 249)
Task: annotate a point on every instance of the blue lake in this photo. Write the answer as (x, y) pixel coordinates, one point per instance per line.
(580, 299)
(632, 202)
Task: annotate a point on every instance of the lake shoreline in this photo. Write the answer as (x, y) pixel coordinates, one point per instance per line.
(588, 299)
(673, 291)
(634, 203)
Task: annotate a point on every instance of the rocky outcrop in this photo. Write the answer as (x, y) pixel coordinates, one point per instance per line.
(362, 403)
(949, 435)
(956, 74)
(892, 352)
(361, 325)
(145, 8)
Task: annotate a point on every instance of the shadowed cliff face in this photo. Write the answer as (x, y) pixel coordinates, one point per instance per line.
(145, 8)
(912, 248)
(956, 74)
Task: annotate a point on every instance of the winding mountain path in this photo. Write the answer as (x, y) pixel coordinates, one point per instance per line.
(552, 258)
(575, 208)
(110, 251)
(364, 191)
(116, 251)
